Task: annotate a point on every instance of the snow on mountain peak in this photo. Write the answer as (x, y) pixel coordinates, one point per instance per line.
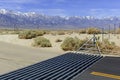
(34, 14)
(29, 14)
(3, 11)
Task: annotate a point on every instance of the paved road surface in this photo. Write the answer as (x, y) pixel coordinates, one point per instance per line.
(13, 57)
(106, 69)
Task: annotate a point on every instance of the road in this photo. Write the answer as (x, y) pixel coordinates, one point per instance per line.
(13, 57)
(106, 69)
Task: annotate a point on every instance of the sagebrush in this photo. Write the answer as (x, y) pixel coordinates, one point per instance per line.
(71, 44)
(42, 42)
(93, 31)
(30, 34)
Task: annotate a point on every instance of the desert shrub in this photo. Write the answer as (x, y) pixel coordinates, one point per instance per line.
(61, 33)
(16, 32)
(118, 31)
(78, 43)
(12, 32)
(27, 35)
(47, 31)
(53, 33)
(30, 34)
(58, 40)
(68, 44)
(83, 41)
(9, 31)
(82, 31)
(106, 41)
(113, 43)
(69, 32)
(106, 46)
(71, 44)
(93, 31)
(42, 42)
(38, 33)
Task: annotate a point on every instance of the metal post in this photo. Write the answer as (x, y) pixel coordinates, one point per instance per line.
(102, 34)
(14, 27)
(109, 31)
(94, 39)
(114, 29)
(93, 44)
(119, 25)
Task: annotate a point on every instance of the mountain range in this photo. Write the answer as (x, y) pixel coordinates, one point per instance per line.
(33, 20)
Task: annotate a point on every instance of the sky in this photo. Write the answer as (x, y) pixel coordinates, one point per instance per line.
(97, 8)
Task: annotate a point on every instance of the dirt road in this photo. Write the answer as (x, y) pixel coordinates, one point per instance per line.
(13, 57)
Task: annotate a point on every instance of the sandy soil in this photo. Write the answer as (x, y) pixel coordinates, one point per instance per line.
(15, 40)
(14, 56)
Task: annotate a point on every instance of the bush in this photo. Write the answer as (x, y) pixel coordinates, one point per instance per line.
(68, 44)
(93, 31)
(82, 31)
(53, 33)
(41, 42)
(30, 34)
(58, 40)
(27, 35)
(69, 32)
(118, 31)
(39, 33)
(61, 33)
(74, 43)
(71, 44)
(106, 46)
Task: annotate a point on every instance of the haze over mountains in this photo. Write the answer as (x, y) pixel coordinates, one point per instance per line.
(13, 19)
